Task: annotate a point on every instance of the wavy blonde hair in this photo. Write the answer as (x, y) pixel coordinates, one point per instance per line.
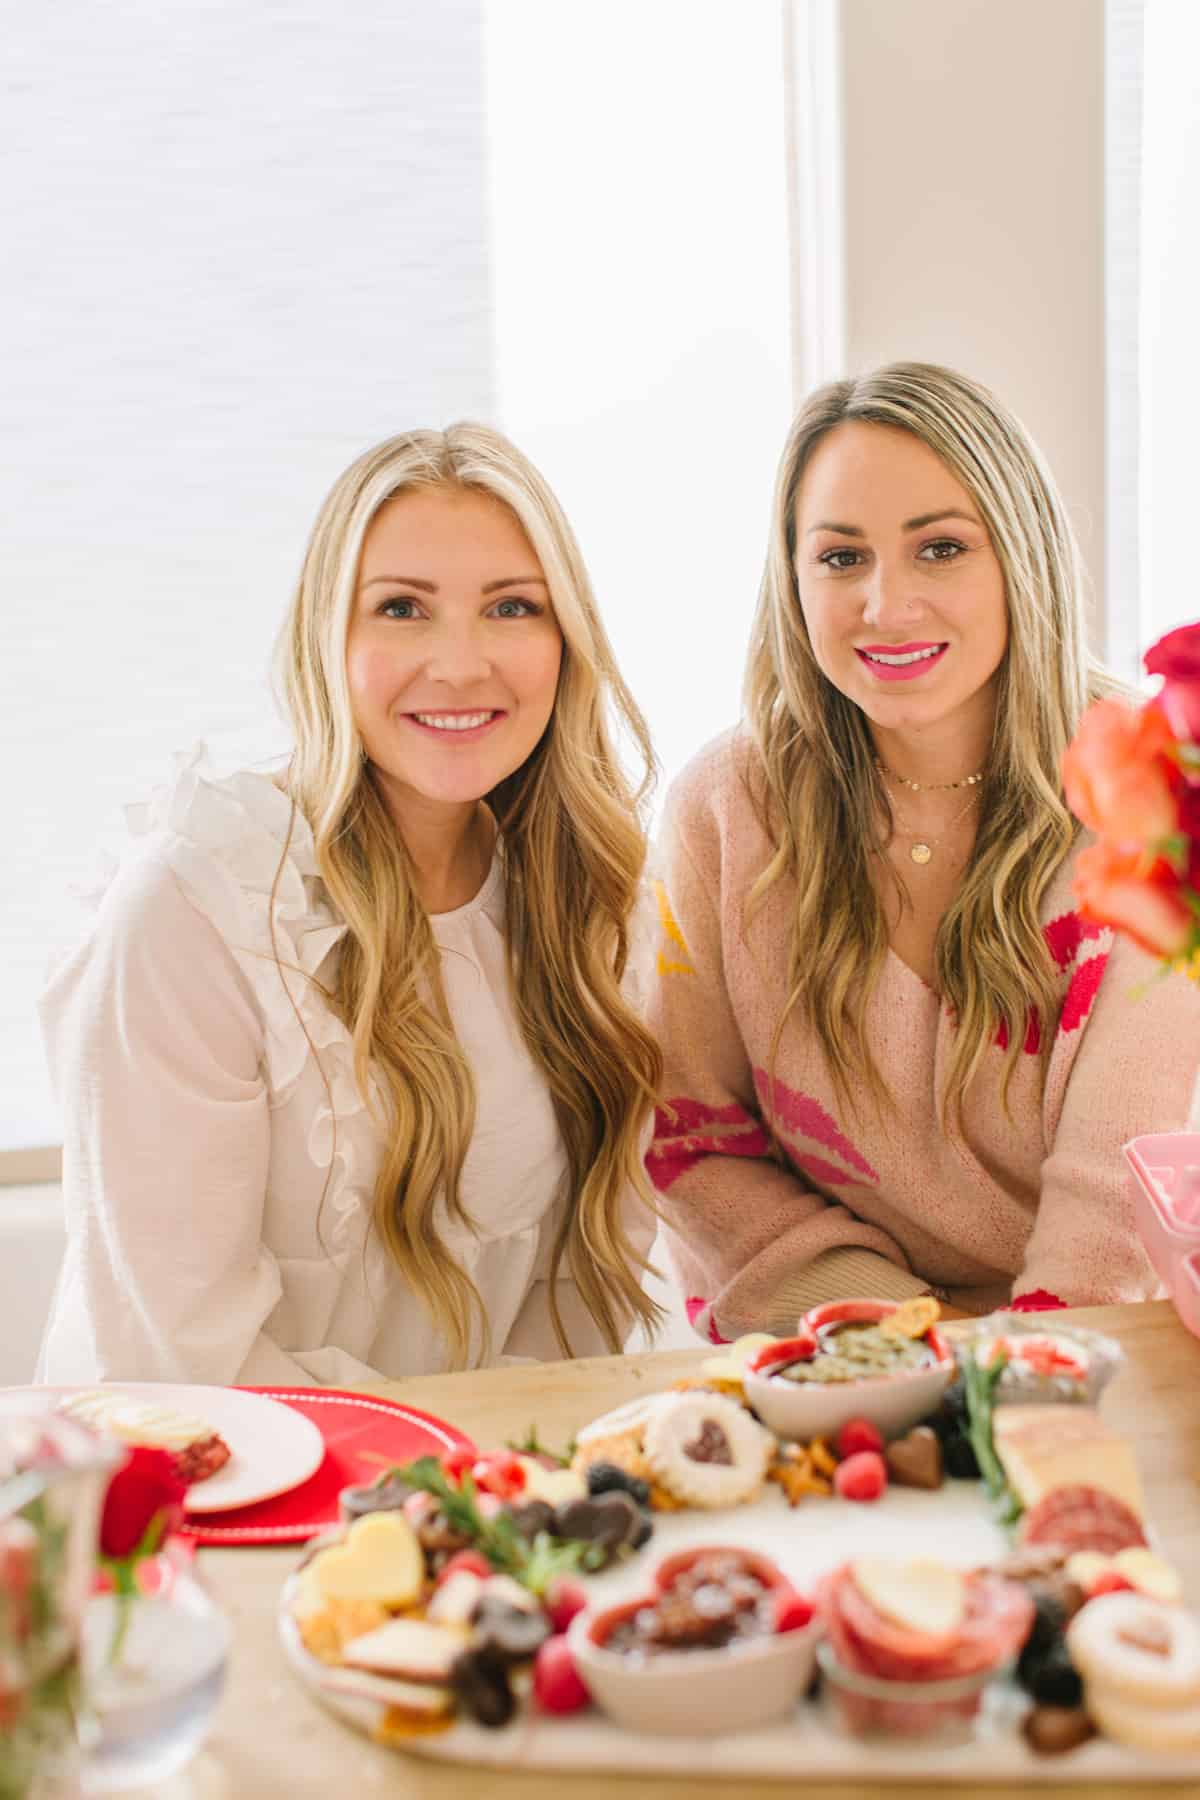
(816, 784)
(574, 851)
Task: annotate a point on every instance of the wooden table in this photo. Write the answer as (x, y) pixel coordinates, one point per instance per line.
(272, 1741)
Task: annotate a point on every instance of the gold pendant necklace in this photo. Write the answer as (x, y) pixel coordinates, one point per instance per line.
(921, 850)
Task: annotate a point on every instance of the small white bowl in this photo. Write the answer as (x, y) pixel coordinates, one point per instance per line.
(893, 1403)
(694, 1693)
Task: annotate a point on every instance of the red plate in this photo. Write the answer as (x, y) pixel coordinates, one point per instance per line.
(359, 1430)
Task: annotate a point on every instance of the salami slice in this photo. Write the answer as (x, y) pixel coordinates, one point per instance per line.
(997, 1621)
(1082, 1518)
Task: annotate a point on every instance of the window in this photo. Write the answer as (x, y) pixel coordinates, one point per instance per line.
(243, 246)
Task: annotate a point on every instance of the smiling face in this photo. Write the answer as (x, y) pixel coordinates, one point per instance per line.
(901, 590)
(453, 649)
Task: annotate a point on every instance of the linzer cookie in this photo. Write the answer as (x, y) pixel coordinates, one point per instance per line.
(706, 1450)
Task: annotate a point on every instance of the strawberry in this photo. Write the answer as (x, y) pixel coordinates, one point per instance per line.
(474, 1561)
(1110, 1581)
(499, 1472)
(856, 1435)
(792, 1611)
(562, 1600)
(862, 1476)
(557, 1685)
(453, 1462)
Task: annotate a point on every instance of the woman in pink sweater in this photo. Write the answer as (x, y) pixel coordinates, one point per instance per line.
(897, 1059)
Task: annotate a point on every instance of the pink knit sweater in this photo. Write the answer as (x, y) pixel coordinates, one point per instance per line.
(1031, 1205)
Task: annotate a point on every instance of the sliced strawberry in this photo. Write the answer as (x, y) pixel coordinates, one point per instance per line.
(474, 1561)
(785, 1350)
(793, 1611)
(453, 1462)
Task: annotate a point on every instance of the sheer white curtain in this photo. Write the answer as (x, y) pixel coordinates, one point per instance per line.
(242, 242)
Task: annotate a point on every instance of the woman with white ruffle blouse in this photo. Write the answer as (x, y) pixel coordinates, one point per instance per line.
(352, 1079)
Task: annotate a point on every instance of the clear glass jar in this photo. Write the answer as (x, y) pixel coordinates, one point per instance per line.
(53, 1473)
(151, 1705)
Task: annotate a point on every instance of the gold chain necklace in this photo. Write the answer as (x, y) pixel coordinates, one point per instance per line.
(921, 849)
(929, 787)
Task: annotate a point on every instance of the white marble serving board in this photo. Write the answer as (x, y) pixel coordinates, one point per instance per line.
(952, 1524)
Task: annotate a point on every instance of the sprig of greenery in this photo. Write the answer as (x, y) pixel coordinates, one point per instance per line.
(533, 1446)
(535, 1565)
(979, 1386)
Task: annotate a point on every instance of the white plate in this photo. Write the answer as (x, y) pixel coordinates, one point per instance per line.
(272, 1447)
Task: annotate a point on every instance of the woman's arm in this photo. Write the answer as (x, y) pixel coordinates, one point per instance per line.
(754, 1247)
(155, 1046)
(1124, 1068)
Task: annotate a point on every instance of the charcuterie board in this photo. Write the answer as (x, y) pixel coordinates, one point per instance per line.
(954, 1522)
(779, 1568)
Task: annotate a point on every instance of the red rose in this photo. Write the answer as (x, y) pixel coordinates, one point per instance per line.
(1116, 774)
(1135, 893)
(1176, 658)
(144, 1487)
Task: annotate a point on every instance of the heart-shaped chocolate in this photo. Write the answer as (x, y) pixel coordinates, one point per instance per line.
(915, 1460)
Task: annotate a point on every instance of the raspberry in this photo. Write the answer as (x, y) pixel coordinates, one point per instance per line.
(562, 1600)
(856, 1435)
(862, 1476)
(557, 1686)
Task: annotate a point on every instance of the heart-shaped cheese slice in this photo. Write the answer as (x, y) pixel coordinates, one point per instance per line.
(380, 1559)
(922, 1595)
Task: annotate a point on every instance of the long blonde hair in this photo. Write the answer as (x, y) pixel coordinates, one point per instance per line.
(817, 786)
(574, 851)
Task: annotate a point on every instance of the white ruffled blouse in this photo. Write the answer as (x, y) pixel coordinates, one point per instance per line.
(218, 1206)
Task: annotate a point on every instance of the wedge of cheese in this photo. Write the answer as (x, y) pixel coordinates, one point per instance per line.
(1045, 1447)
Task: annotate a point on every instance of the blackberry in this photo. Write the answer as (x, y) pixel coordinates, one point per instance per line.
(1050, 1619)
(607, 1478)
(1051, 1678)
(959, 1457)
(951, 1416)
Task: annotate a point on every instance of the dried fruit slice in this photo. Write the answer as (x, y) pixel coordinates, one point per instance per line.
(707, 1450)
(912, 1318)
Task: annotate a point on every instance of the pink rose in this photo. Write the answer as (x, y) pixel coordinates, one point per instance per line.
(1136, 894)
(1117, 778)
(1176, 658)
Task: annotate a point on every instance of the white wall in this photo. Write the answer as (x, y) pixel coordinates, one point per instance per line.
(1170, 310)
(975, 212)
